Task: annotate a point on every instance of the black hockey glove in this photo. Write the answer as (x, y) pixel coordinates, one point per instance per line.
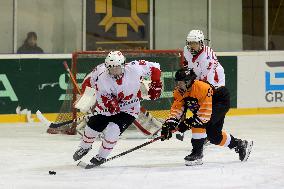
(192, 104)
(168, 127)
(195, 122)
(183, 126)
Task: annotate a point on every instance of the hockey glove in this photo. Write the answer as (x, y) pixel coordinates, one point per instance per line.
(182, 127)
(192, 104)
(195, 122)
(168, 127)
(87, 100)
(155, 90)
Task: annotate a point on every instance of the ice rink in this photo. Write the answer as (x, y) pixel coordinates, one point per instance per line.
(28, 153)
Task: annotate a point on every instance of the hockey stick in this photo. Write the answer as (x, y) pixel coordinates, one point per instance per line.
(89, 166)
(73, 127)
(72, 77)
(181, 136)
(53, 125)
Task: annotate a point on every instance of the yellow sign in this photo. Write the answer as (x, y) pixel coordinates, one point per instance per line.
(137, 6)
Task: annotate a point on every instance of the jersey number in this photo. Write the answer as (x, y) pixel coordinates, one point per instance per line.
(210, 92)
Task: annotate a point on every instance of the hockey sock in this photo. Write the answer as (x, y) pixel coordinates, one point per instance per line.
(88, 138)
(233, 142)
(111, 135)
(226, 139)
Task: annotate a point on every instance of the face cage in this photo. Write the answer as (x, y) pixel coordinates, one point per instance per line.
(192, 51)
(117, 76)
(188, 83)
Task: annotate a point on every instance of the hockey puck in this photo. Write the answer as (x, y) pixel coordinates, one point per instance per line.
(52, 172)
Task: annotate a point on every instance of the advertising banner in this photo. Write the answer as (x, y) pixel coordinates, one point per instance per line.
(261, 80)
(32, 83)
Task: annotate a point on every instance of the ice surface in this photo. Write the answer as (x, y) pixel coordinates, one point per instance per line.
(28, 153)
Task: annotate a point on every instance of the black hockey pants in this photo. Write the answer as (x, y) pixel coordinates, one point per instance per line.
(220, 106)
(100, 122)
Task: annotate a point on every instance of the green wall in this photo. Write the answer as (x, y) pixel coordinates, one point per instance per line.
(41, 83)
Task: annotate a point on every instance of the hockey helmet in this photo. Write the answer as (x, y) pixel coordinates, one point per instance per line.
(195, 36)
(115, 62)
(114, 58)
(186, 75)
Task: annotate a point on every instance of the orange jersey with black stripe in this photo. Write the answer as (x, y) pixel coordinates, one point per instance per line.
(200, 92)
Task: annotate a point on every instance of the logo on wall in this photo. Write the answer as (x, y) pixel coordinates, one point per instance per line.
(274, 82)
(137, 6)
(117, 24)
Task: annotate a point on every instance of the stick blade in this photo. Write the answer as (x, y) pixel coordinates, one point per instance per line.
(42, 119)
(82, 164)
(86, 166)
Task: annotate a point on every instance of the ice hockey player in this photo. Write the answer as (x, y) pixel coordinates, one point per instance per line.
(209, 107)
(203, 60)
(117, 90)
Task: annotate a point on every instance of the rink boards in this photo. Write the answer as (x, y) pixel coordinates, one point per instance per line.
(255, 81)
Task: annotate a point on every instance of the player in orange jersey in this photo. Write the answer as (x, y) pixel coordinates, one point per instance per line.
(209, 107)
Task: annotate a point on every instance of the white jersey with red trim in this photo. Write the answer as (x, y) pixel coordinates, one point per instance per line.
(206, 66)
(126, 89)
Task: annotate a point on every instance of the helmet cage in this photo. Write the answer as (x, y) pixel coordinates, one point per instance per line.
(195, 36)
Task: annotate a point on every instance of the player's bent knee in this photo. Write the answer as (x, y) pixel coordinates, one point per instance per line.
(112, 131)
(214, 139)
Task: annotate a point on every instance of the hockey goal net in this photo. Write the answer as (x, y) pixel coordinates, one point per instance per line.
(83, 62)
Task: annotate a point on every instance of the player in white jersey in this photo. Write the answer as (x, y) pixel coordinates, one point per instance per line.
(117, 89)
(203, 60)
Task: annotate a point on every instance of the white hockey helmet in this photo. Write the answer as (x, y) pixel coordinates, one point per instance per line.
(195, 36)
(114, 60)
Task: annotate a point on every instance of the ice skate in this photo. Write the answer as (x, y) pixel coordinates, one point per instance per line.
(81, 152)
(243, 148)
(195, 158)
(97, 160)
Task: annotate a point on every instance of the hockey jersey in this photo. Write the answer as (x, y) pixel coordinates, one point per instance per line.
(126, 89)
(206, 66)
(202, 93)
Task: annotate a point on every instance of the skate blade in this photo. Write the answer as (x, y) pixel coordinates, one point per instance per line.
(82, 164)
(248, 150)
(193, 163)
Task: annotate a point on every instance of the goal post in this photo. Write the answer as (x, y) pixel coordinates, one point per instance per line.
(83, 62)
